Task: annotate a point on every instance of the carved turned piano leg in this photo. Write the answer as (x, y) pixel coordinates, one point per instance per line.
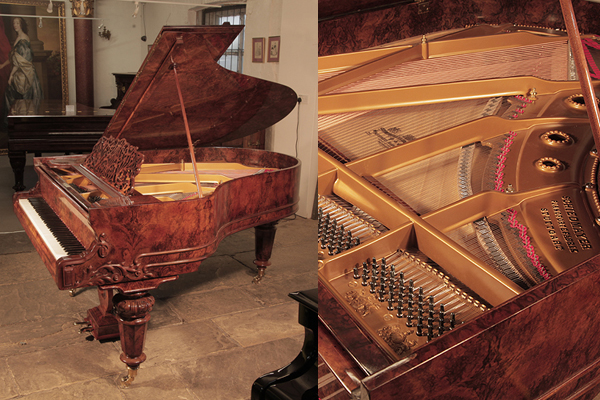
(264, 237)
(133, 314)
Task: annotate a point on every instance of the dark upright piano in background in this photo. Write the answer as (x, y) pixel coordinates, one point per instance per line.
(123, 81)
(52, 130)
(150, 203)
(459, 212)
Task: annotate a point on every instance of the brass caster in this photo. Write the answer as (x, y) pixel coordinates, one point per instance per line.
(257, 278)
(72, 292)
(127, 380)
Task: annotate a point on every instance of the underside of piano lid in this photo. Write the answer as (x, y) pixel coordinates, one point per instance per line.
(181, 71)
(454, 174)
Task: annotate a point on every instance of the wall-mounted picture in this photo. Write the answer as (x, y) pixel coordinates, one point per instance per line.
(274, 43)
(33, 57)
(258, 50)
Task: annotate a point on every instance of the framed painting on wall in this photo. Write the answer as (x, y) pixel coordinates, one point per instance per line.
(33, 57)
(258, 50)
(274, 43)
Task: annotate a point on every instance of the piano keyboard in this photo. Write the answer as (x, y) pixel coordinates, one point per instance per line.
(54, 232)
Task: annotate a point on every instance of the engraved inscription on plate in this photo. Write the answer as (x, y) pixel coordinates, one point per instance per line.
(564, 226)
(389, 137)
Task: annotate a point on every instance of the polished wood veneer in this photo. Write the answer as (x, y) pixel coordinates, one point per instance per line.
(360, 24)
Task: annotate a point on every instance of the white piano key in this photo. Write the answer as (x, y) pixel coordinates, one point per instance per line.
(47, 236)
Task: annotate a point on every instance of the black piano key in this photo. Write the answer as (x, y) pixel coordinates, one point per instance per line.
(58, 229)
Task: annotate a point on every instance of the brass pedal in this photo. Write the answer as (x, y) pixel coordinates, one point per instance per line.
(87, 328)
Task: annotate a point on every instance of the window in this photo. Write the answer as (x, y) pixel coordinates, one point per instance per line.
(236, 15)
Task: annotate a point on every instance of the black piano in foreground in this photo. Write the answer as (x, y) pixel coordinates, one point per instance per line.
(298, 380)
(51, 130)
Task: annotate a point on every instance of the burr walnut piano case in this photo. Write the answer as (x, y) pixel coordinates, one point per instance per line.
(151, 202)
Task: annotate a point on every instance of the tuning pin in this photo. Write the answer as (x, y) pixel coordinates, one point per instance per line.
(356, 275)
(347, 244)
(400, 308)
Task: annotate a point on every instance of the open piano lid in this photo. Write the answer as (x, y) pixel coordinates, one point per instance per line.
(221, 105)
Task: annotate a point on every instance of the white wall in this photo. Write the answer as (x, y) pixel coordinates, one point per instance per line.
(294, 21)
(125, 51)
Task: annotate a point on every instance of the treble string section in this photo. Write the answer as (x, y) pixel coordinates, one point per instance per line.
(187, 128)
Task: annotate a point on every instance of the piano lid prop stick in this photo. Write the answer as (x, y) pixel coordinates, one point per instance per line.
(187, 130)
(582, 69)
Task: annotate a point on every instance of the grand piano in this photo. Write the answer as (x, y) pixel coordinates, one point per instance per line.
(458, 218)
(152, 201)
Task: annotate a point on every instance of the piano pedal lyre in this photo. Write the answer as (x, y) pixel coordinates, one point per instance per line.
(86, 328)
